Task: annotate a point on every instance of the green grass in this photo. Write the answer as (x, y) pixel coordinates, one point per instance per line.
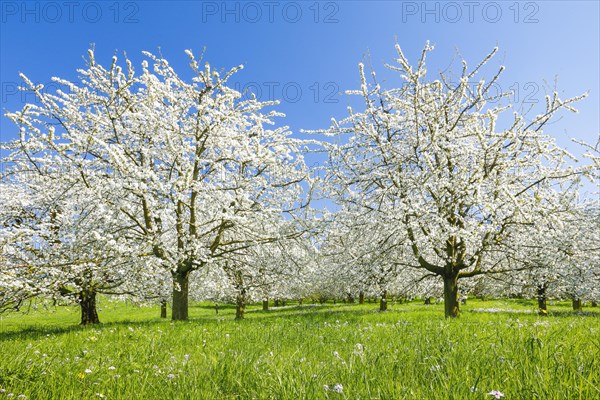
(409, 352)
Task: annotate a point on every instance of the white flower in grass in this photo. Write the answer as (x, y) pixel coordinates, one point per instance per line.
(435, 368)
(171, 376)
(358, 349)
(496, 393)
(111, 368)
(336, 354)
(88, 371)
(326, 387)
(338, 388)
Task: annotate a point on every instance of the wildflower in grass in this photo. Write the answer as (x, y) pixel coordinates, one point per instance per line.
(111, 368)
(326, 387)
(100, 395)
(497, 394)
(358, 349)
(336, 354)
(435, 368)
(227, 335)
(338, 388)
(171, 376)
(186, 357)
(21, 396)
(88, 371)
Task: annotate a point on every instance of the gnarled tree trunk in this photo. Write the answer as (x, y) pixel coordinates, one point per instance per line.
(87, 303)
(180, 296)
(240, 304)
(163, 309)
(577, 306)
(383, 301)
(541, 297)
(451, 305)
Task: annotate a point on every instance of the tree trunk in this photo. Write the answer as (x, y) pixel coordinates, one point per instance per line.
(541, 297)
(383, 301)
(427, 301)
(300, 301)
(361, 297)
(180, 296)
(577, 305)
(240, 305)
(87, 302)
(163, 309)
(451, 307)
(266, 305)
(276, 303)
(594, 304)
(350, 298)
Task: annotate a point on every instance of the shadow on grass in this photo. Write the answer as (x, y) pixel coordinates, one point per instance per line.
(291, 313)
(307, 313)
(532, 313)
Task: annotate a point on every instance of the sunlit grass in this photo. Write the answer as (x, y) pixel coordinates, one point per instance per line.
(409, 352)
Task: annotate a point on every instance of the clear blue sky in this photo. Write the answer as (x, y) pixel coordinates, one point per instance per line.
(313, 47)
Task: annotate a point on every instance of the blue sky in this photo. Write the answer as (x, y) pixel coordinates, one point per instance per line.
(306, 52)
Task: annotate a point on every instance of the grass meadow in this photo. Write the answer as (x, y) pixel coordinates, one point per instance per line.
(342, 351)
